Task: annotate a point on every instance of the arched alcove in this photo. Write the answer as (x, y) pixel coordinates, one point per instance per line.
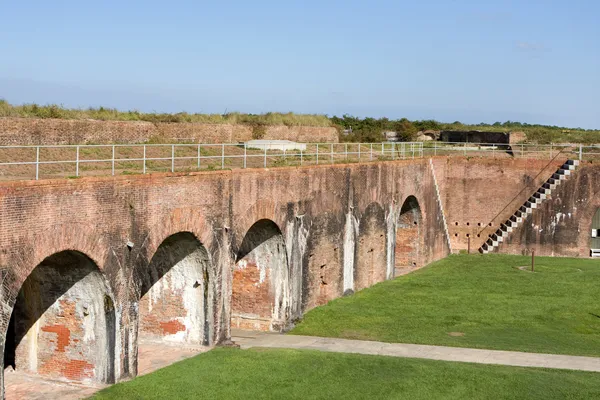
(261, 293)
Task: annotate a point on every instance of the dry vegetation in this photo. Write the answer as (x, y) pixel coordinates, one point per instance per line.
(111, 114)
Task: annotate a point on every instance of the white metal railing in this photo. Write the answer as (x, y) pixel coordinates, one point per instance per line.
(40, 162)
(520, 150)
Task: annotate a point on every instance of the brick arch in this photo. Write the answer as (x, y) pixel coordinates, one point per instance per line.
(410, 232)
(419, 200)
(180, 220)
(178, 292)
(261, 279)
(263, 209)
(371, 254)
(81, 238)
(61, 289)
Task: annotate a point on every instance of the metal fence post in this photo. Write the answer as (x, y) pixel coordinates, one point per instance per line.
(113, 159)
(550, 150)
(371, 152)
(317, 153)
(265, 159)
(172, 158)
(346, 151)
(245, 153)
(144, 159)
(37, 163)
(393, 150)
(434, 148)
(465, 149)
(382, 153)
(412, 146)
(300, 155)
(198, 156)
(223, 156)
(580, 151)
(359, 152)
(331, 153)
(522, 150)
(77, 163)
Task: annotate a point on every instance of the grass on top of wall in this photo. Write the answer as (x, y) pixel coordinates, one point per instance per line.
(111, 114)
(300, 374)
(479, 301)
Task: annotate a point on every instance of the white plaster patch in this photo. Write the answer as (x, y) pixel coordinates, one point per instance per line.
(350, 234)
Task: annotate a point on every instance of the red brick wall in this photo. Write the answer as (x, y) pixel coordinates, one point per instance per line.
(171, 307)
(561, 225)
(99, 216)
(478, 191)
(371, 248)
(260, 278)
(63, 326)
(32, 131)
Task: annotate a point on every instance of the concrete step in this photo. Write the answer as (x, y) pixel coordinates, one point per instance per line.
(535, 199)
(572, 162)
(566, 172)
(507, 228)
(516, 221)
(530, 204)
(544, 190)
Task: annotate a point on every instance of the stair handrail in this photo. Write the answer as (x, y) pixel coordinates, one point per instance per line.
(522, 190)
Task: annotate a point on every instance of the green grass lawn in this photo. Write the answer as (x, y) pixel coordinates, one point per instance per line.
(295, 374)
(476, 301)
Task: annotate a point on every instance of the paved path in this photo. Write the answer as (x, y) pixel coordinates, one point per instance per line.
(247, 339)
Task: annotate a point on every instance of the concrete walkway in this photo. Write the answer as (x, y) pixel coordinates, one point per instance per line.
(247, 339)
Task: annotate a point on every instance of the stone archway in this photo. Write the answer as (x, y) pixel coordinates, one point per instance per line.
(176, 296)
(261, 292)
(63, 322)
(409, 237)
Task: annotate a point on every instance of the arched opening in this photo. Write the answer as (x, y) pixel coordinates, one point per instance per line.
(261, 293)
(371, 265)
(63, 323)
(176, 297)
(595, 235)
(408, 237)
(176, 303)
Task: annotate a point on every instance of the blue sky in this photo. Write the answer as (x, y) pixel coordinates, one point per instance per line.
(474, 61)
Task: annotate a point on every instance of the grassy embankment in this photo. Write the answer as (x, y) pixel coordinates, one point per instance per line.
(365, 129)
(475, 301)
(293, 374)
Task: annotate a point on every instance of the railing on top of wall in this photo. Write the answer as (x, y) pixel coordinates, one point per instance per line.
(71, 161)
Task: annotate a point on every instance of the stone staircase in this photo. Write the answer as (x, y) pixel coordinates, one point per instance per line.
(527, 208)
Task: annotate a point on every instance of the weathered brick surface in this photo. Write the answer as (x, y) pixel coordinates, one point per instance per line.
(409, 240)
(309, 206)
(32, 131)
(174, 291)
(62, 320)
(561, 225)
(371, 248)
(477, 192)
